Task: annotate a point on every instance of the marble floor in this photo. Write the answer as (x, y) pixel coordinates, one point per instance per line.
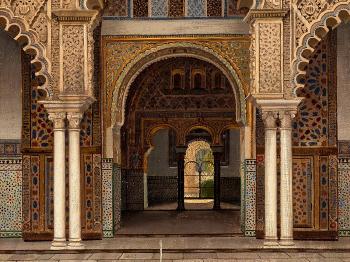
(178, 249)
(185, 223)
(180, 256)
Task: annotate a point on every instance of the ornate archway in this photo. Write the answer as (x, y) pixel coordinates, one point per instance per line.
(183, 49)
(28, 39)
(317, 30)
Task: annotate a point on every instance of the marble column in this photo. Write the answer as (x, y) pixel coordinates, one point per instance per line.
(269, 118)
(74, 181)
(59, 190)
(286, 194)
(217, 177)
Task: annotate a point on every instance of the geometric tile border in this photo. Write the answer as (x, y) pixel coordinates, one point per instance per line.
(249, 202)
(10, 197)
(344, 196)
(107, 197)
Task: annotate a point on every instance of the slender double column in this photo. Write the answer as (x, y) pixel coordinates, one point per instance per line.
(269, 118)
(286, 194)
(59, 231)
(74, 181)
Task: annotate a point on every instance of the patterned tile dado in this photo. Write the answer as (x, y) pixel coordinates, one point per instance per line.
(11, 197)
(250, 197)
(10, 148)
(344, 196)
(107, 197)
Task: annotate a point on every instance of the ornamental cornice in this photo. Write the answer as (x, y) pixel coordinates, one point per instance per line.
(264, 14)
(63, 15)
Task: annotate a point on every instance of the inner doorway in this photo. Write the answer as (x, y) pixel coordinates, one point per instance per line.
(199, 176)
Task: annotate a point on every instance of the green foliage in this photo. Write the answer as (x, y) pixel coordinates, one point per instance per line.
(207, 189)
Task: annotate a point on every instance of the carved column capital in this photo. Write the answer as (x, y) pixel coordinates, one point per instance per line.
(269, 118)
(58, 119)
(286, 117)
(74, 120)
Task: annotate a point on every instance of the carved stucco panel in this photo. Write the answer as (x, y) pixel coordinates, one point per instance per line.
(27, 9)
(271, 4)
(40, 25)
(72, 59)
(270, 58)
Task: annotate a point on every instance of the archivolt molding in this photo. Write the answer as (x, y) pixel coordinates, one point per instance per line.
(313, 30)
(20, 30)
(119, 81)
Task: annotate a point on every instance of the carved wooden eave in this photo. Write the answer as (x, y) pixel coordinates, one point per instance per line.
(254, 14)
(64, 15)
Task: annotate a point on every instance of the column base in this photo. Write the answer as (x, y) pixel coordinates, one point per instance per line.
(286, 242)
(271, 243)
(58, 244)
(75, 244)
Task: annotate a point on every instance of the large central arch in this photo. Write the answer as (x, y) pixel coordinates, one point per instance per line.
(184, 49)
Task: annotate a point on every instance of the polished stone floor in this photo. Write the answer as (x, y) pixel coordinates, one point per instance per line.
(194, 222)
(181, 256)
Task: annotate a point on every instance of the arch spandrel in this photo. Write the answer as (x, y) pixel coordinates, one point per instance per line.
(228, 55)
(311, 29)
(30, 42)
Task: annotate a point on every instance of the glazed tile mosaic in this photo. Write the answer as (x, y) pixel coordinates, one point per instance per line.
(159, 8)
(250, 198)
(196, 8)
(344, 196)
(107, 197)
(11, 197)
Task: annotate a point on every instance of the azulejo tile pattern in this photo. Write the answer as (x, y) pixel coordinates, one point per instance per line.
(196, 8)
(107, 197)
(11, 197)
(344, 196)
(302, 192)
(159, 8)
(250, 198)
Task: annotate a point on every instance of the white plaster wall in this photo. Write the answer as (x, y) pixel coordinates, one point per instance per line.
(233, 169)
(343, 81)
(158, 160)
(10, 88)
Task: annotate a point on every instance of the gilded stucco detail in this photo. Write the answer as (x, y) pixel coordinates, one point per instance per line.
(122, 54)
(270, 74)
(73, 59)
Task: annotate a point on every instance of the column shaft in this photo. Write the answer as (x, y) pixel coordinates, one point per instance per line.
(286, 193)
(74, 182)
(59, 227)
(270, 180)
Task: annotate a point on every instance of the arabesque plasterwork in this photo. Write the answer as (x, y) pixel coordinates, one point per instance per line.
(126, 59)
(312, 19)
(27, 33)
